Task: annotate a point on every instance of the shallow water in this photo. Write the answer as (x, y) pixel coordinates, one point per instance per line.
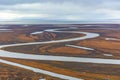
(79, 47)
(39, 32)
(114, 39)
(107, 54)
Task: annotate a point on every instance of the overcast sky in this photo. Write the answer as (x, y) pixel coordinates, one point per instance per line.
(59, 10)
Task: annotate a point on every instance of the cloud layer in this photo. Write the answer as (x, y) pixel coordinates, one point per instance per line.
(63, 10)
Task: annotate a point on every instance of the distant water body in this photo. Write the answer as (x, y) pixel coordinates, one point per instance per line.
(59, 22)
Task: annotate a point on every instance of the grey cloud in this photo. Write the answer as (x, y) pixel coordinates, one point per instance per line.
(62, 9)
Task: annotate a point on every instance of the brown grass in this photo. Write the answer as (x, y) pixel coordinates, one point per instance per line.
(67, 50)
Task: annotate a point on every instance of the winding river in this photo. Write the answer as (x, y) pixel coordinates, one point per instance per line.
(88, 35)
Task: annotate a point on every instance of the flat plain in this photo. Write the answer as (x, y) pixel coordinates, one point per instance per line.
(69, 51)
